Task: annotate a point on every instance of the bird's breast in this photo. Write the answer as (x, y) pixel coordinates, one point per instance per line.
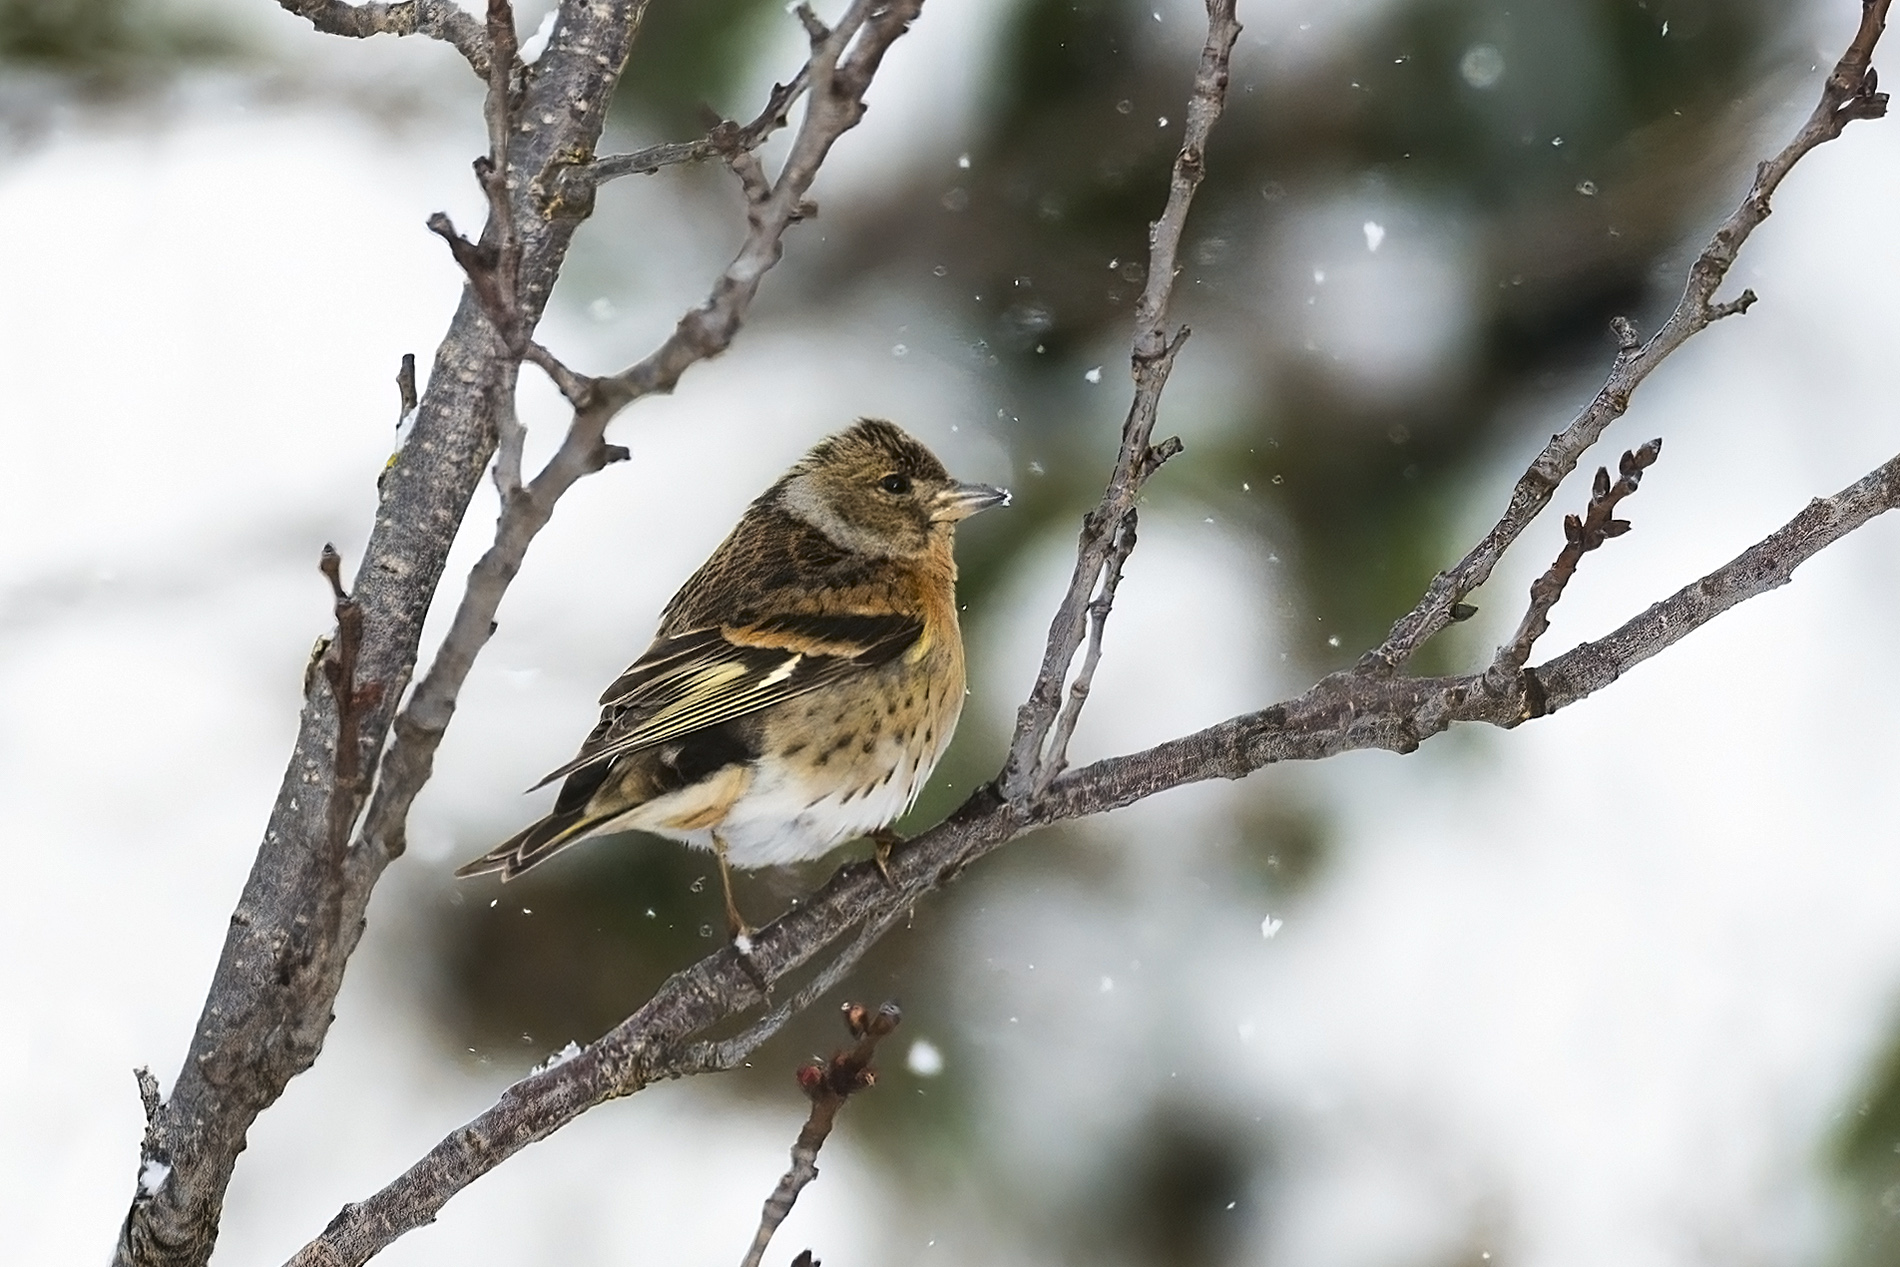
(847, 760)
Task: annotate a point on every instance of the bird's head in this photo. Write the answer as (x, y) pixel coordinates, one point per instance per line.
(872, 489)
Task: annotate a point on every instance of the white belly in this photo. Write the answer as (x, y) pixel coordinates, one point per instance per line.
(782, 818)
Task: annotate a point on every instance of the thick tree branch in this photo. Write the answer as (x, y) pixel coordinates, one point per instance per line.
(438, 19)
(1848, 94)
(301, 911)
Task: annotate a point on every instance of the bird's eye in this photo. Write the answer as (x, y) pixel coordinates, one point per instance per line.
(899, 484)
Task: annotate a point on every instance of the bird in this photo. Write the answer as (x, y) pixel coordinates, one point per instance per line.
(803, 683)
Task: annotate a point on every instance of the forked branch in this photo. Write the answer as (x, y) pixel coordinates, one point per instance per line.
(1848, 94)
(1035, 757)
(270, 1002)
(842, 66)
(1582, 534)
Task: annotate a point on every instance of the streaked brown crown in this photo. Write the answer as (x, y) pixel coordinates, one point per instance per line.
(874, 443)
(871, 489)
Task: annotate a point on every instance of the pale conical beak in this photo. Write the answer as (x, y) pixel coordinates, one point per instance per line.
(960, 501)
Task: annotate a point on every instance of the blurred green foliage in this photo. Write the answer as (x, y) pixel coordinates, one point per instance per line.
(106, 40)
(690, 57)
(1867, 1158)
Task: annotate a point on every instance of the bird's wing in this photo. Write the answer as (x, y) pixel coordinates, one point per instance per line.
(703, 677)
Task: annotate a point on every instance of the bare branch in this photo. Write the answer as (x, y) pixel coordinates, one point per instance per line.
(1367, 706)
(717, 1057)
(1581, 535)
(578, 388)
(339, 667)
(1119, 549)
(1032, 760)
(406, 384)
(840, 71)
(829, 1085)
(438, 19)
(299, 919)
(815, 29)
(1848, 94)
(721, 140)
(1764, 566)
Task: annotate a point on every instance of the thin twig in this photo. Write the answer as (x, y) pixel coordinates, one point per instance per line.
(339, 669)
(1849, 94)
(1581, 535)
(828, 1085)
(840, 71)
(406, 384)
(578, 388)
(1765, 566)
(716, 1057)
(1120, 548)
(1033, 761)
(722, 139)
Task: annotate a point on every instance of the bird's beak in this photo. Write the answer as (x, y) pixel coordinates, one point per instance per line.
(960, 501)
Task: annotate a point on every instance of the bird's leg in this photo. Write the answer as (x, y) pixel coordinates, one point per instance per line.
(737, 930)
(883, 840)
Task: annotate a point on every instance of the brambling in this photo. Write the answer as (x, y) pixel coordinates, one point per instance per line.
(803, 684)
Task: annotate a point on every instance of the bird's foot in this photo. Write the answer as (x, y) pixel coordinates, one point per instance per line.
(883, 841)
(740, 934)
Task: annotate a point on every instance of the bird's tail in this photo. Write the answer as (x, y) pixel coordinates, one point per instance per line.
(533, 845)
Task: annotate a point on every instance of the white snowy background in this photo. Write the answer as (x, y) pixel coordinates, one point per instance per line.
(1596, 991)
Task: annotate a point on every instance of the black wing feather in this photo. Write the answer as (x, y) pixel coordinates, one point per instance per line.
(705, 677)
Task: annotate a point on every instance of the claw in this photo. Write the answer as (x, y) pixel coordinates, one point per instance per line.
(883, 841)
(742, 947)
